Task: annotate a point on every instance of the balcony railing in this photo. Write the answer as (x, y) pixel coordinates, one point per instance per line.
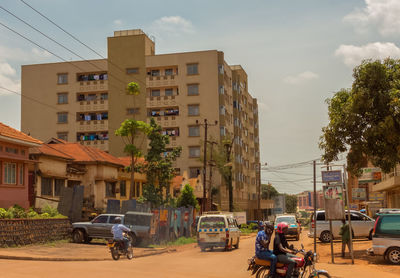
(162, 80)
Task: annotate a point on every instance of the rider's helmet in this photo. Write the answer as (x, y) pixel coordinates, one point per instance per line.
(281, 227)
(117, 220)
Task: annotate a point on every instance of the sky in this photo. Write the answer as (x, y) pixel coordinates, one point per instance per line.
(296, 53)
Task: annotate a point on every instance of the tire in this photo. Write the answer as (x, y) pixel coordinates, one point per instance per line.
(325, 236)
(87, 239)
(393, 255)
(115, 254)
(77, 236)
(237, 244)
(262, 272)
(129, 255)
(312, 275)
(229, 246)
(370, 235)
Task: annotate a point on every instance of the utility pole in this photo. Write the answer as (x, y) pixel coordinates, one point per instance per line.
(259, 191)
(211, 163)
(228, 147)
(315, 207)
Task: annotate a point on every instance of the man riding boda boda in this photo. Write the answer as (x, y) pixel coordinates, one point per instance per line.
(281, 248)
(262, 246)
(117, 231)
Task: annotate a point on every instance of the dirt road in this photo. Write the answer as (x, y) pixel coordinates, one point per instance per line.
(189, 261)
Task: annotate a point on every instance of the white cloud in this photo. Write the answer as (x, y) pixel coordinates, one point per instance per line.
(22, 55)
(301, 77)
(117, 22)
(353, 55)
(380, 14)
(8, 78)
(41, 53)
(172, 25)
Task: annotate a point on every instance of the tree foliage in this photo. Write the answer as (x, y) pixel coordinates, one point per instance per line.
(158, 166)
(187, 198)
(291, 203)
(366, 118)
(268, 191)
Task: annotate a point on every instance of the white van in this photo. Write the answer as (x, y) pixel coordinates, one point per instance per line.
(218, 229)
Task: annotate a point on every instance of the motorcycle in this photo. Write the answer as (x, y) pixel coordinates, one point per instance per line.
(305, 267)
(117, 248)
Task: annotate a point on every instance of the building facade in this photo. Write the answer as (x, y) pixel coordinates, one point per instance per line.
(15, 187)
(179, 90)
(305, 200)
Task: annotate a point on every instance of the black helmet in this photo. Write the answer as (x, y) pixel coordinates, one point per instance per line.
(268, 225)
(117, 220)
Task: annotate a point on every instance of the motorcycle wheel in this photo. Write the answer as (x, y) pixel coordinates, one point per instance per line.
(129, 255)
(262, 272)
(319, 275)
(115, 254)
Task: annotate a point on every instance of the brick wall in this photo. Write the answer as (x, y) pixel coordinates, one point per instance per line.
(28, 231)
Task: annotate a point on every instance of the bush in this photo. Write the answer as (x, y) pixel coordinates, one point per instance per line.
(50, 211)
(19, 212)
(32, 214)
(3, 213)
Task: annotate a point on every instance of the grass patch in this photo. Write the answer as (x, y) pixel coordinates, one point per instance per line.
(177, 242)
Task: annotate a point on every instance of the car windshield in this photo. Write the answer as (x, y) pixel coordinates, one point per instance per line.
(287, 219)
(212, 222)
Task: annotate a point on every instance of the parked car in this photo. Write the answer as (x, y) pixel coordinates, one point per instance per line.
(100, 227)
(386, 237)
(362, 226)
(291, 220)
(218, 230)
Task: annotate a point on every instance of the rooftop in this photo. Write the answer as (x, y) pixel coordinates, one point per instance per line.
(15, 136)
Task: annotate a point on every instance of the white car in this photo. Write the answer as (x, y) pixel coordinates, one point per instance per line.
(362, 226)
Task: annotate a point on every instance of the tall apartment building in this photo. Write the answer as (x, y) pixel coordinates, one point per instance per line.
(86, 101)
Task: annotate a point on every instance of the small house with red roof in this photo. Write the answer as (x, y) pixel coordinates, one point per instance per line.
(14, 161)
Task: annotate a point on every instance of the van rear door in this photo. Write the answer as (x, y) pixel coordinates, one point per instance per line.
(212, 228)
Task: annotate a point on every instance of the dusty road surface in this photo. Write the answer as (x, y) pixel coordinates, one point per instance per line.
(189, 261)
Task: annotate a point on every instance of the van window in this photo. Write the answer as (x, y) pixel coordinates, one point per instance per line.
(287, 219)
(321, 216)
(212, 222)
(389, 224)
(231, 223)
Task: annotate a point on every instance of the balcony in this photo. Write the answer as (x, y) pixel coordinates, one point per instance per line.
(160, 101)
(161, 81)
(85, 126)
(93, 105)
(391, 182)
(95, 85)
(166, 121)
(100, 144)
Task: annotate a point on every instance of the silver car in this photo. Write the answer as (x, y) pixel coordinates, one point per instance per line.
(362, 226)
(386, 237)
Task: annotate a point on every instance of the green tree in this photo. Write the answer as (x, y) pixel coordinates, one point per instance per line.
(291, 203)
(366, 118)
(158, 166)
(268, 191)
(187, 198)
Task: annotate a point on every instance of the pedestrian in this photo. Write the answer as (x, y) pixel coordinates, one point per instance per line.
(345, 233)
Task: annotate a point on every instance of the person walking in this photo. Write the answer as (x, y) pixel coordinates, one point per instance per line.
(345, 233)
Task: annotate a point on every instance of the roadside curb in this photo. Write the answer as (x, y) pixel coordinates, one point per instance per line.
(59, 259)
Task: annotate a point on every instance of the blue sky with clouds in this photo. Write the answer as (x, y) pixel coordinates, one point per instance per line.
(296, 53)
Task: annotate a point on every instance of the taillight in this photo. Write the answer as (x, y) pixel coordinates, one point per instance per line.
(376, 222)
(227, 234)
(313, 224)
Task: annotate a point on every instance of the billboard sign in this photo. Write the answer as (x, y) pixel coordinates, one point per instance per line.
(376, 196)
(333, 200)
(370, 175)
(359, 194)
(331, 176)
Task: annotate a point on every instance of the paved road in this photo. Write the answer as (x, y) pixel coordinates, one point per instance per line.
(187, 262)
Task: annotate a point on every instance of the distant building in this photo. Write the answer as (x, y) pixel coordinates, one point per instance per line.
(15, 187)
(305, 200)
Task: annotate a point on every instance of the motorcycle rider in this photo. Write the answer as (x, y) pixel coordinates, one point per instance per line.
(281, 248)
(262, 246)
(117, 231)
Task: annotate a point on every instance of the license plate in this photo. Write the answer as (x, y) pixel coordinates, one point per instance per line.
(111, 244)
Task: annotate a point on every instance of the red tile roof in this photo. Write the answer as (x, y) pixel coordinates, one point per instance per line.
(126, 160)
(47, 149)
(12, 133)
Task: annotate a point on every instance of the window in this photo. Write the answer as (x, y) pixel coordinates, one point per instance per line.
(194, 131)
(101, 219)
(169, 92)
(132, 111)
(62, 78)
(62, 136)
(62, 117)
(47, 187)
(137, 187)
(11, 150)
(122, 188)
(389, 224)
(21, 174)
(193, 110)
(155, 93)
(62, 98)
(194, 172)
(104, 96)
(110, 189)
(155, 72)
(193, 89)
(132, 70)
(10, 173)
(222, 131)
(169, 72)
(321, 216)
(58, 185)
(192, 69)
(194, 151)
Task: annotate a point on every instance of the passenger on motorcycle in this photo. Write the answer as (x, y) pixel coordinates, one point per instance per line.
(117, 231)
(281, 248)
(262, 246)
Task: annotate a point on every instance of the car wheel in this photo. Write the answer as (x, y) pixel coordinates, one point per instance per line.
(77, 236)
(87, 239)
(370, 235)
(393, 255)
(237, 244)
(325, 236)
